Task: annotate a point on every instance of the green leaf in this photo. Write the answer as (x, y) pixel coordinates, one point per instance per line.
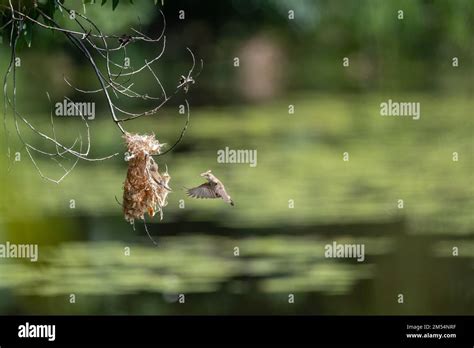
(114, 4)
(103, 2)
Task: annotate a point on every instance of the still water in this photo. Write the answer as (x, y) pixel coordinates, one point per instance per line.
(212, 270)
(401, 196)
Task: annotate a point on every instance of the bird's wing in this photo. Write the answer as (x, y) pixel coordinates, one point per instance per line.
(203, 191)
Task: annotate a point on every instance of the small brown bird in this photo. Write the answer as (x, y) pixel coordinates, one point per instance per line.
(161, 180)
(165, 180)
(213, 188)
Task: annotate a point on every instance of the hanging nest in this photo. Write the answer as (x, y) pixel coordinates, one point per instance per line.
(145, 188)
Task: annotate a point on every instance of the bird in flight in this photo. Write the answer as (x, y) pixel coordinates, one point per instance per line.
(213, 188)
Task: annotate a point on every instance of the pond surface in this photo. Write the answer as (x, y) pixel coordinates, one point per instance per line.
(299, 198)
(130, 275)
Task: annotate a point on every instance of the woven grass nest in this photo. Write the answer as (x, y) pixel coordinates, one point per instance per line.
(145, 188)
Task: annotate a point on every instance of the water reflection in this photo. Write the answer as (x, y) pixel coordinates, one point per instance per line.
(267, 269)
(408, 250)
(186, 264)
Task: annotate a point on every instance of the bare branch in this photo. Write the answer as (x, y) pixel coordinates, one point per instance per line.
(114, 79)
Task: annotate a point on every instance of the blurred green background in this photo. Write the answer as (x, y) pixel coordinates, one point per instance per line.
(283, 62)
